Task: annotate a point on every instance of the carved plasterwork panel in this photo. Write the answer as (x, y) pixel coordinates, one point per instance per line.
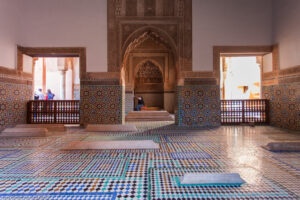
(149, 73)
(132, 20)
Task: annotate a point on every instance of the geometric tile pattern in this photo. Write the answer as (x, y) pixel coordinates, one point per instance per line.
(284, 105)
(290, 162)
(38, 169)
(76, 196)
(101, 104)
(106, 167)
(6, 153)
(190, 155)
(25, 168)
(13, 99)
(13, 154)
(165, 184)
(198, 105)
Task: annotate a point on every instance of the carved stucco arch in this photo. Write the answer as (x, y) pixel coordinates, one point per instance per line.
(140, 64)
(138, 37)
(141, 34)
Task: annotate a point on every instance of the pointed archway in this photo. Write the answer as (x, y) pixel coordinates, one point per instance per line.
(152, 47)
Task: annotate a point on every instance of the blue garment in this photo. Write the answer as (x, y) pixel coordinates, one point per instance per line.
(50, 96)
(139, 106)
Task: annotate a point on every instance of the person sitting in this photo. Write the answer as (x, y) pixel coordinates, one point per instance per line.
(140, 103)
(50, 95)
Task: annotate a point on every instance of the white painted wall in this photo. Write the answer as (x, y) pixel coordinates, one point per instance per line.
(9, 15)
(268, 62)
(38, 23)
(230, 22)
(286, 31)
(67, 23)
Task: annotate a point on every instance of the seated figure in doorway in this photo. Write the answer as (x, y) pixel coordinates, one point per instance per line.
(140, 103)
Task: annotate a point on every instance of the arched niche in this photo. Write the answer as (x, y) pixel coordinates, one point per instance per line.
(150, 45)
(149, 83)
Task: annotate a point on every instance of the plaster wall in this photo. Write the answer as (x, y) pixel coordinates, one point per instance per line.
(8, 32)
(267, 63)
(228, 23)
(286, 31)
(67, 23)
(27, 63)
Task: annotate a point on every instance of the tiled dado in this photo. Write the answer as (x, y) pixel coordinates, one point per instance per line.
(284, 105)
(198, 105)
(101, 104)
(13, 98)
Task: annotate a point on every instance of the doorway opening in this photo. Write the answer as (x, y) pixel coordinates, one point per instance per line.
(149, 71)
(64, 108)
(149, 84)
(240, 77)
(60, 75)
(240, 90)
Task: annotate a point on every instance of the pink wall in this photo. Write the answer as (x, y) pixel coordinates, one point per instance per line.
(38, 23)
(9, 10)
(230, 22)
(67, 23)
(286, 31)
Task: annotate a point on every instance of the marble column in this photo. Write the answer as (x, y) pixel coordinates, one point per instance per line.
(62, 85)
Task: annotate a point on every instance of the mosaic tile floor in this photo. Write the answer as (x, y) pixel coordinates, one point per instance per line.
(36, 168)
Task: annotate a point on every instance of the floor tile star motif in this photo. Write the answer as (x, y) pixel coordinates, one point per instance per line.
(13, 154)
(106, 168)
(26, 168)
(190, 155)
(289, 163)
(36, 168)
(59, 196)
(184, 147)
(165, 184)
(65, 168)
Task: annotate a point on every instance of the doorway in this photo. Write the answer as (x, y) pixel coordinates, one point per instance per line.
(72, 60)
(60, 75)
(240, 77)
(149, 84)
(149, 71)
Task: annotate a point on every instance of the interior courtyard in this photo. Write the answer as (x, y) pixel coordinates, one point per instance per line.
(220, 87)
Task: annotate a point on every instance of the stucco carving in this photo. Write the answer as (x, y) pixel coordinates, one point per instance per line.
(131, 22)
(149, 73)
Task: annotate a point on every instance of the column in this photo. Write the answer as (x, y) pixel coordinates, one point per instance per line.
(44, 75)
(62, 84)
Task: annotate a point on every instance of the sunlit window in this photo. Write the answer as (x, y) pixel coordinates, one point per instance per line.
(240, 78)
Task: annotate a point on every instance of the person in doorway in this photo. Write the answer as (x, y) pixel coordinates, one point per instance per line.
(50, 95)
(40, 94)
(36, 96)
(140, 104)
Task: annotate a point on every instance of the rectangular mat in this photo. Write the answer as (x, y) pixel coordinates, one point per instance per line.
(24, 132)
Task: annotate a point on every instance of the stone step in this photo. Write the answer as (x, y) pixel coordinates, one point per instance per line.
(110, 127)
(149, 116)
(24, 132)
(50, 127)
(149, 113)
